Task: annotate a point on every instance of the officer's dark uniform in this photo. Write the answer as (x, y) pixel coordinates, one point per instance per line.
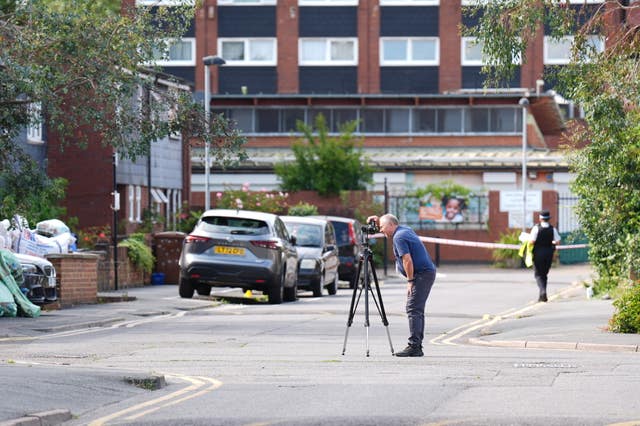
(543, 249)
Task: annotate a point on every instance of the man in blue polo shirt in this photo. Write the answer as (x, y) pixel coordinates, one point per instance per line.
(413, 262)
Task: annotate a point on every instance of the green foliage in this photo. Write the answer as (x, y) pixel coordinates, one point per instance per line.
(302, 209)
(92, 235)
(187, 219)
(31, 194)
(245, 199)
(444, 189)
(81, 60)
(139, 252)
(627, 316)
(324, 163)
(606, 159)
(507, 258)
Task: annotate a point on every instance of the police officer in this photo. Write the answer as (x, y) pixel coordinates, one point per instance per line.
(544, 238)
(413, 262)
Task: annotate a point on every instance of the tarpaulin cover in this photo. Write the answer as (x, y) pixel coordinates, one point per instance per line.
(10, 278)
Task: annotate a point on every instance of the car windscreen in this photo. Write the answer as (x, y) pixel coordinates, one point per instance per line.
(233, 225)
(307, 235)
(342, 233)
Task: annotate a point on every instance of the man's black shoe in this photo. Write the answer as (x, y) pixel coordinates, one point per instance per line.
(410, 351)
(542, 298)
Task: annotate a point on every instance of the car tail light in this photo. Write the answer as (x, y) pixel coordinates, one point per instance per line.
(196, 239)
(268, 244)
(352, 235)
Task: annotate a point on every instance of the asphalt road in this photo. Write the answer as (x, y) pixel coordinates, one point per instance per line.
(258, 364)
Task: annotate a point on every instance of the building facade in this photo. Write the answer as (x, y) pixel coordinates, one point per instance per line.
(399, 67)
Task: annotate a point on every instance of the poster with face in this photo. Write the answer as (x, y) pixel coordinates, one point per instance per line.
(449, 209)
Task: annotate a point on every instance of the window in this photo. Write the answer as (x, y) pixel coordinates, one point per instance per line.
(327, 2)
(424, 120)
(396, 121)
(558, 52)
(177, 53)
(246, 2)
(409, 51)
(471, 54)
(138, 202)
(255, 51)
(34, 129)
(333, 51)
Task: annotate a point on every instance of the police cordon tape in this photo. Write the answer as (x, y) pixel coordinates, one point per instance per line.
(482, 244)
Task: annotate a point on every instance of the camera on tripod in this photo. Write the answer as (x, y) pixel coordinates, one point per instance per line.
(371, 228)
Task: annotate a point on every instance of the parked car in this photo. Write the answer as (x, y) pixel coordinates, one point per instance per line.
(39, 279)
(349, 239)
(239, 248)
(317, 253)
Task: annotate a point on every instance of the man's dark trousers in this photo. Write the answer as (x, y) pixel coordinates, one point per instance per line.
(416, 302)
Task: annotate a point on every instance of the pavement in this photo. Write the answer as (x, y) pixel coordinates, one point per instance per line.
(569, 321)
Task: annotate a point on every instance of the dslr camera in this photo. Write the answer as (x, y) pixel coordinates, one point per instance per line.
(371, 228)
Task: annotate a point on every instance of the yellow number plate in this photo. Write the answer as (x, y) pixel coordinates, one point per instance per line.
(234, 251)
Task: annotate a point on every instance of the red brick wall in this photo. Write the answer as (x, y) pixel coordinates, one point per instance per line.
(77, 276)
(90, 175)
(450, 73)
(368, 47)
(287, 15)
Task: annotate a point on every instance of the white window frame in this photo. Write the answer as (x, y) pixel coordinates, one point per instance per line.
(327, 61)
(246, 2)
(179, 63)
(131, 196)
(247, 62)
(475, 62)
(410, 60)
(35, 127)
(138, 202)
(410, 2)
(328, 2)
(566, 60)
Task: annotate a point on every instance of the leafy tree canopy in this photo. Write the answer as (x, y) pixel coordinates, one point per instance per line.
(324, 163)
(81, 60)
(605, 84)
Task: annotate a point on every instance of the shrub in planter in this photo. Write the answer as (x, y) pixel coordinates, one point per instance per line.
(508, 258)
(139, 252)
(627, 316)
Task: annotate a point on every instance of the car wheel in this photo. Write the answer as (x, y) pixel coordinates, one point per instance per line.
(204, 290)
(317, 286)
(333, 287)
(276, 291)
(185, 288)
(291, 293)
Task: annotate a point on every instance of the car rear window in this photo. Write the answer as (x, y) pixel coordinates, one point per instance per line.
(233, 225)
(342, 233)
(306, 235)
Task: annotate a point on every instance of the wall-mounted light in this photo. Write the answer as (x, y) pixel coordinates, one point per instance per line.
(211, 12)
(292, 12)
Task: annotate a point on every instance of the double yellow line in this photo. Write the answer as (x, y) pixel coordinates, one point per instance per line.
(198, 387)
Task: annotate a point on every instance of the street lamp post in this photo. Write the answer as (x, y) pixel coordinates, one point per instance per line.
(208, 60)
(524, 103)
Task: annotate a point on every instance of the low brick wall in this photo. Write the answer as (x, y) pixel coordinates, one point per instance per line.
(77, 277)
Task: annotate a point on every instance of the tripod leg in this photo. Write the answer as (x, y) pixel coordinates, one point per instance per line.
(381, 311)
(352, 309)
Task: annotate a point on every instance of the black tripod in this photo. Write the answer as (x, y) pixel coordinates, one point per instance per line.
(366, 270)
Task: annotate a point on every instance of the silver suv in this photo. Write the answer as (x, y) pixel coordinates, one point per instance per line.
(239, 248)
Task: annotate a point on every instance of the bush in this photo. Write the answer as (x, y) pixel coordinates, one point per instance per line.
(627, 316)
(138, 252)
(508, 258)
(303, 209)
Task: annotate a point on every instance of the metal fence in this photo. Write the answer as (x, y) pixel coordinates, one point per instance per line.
(570, 230)
(475, 213)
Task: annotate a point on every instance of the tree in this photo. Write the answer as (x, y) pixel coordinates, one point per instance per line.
(605, 85)
(325, 164)
(81, 60)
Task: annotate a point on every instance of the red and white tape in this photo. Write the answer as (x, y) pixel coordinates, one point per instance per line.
(450, 242)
